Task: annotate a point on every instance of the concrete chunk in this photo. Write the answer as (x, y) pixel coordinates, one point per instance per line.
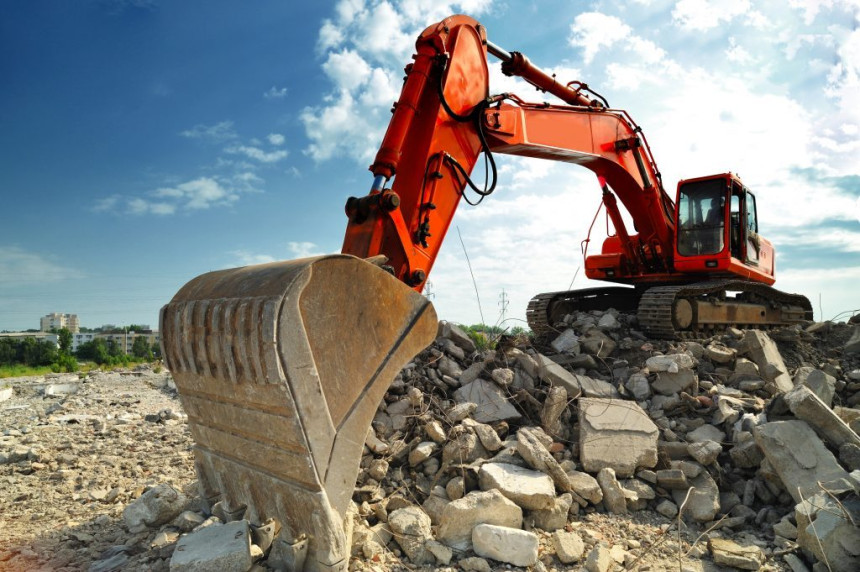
(456, 335)
(800, 468)
(668, 383)
(155, 507)
(569, 546)
(491, 403)
(411, 528)
(807, 406)
(511, 545)
(729, 553)
(529, 489)
(462, 515)
(828, 529)
(763, 351)
(616, 434)
(225, 547)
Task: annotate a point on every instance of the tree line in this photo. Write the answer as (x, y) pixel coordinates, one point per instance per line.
(39, 353)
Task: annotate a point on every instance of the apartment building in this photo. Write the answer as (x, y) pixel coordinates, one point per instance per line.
(57, 321)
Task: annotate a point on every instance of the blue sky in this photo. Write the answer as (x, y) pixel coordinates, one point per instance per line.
(144, 142)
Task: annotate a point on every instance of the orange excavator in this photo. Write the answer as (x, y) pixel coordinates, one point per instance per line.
(281, 366)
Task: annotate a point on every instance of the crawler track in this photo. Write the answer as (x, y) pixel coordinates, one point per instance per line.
(657, 307)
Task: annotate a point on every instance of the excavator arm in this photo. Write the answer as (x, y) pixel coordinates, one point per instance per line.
(445, 119)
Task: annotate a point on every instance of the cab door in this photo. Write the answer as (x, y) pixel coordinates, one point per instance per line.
(751, 240)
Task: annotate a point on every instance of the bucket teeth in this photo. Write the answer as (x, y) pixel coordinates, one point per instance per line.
(280, 368)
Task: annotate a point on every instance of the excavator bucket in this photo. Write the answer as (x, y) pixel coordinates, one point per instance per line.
(280, 368)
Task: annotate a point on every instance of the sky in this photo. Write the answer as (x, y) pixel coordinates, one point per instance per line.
(144, 142)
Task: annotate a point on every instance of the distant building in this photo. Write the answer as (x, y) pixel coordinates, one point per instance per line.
(55, 321)
(79, 338)
(40, 336)
(125, 340)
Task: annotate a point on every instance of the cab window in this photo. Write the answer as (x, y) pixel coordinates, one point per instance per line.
(701, 217)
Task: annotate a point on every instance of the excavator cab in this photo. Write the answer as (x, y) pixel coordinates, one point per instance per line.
(717, 230)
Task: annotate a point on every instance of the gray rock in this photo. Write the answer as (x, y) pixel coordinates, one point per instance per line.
(673, 479)
(456, 335)
(672, 363)
(852, 346)
(462, 515)
(800, 469)
(550, 415)
(474, 564)
(705, 452)
(461, 411)
(597, 343)
(639, 386)
(529, 489)
(616, 434)
(155, 507)
(807, 406)
(492, 405)
(567, 341)
(569, 547)
(729, 553)
(511, 545)
(763, 351)
(411, 528)
(703, 501)
(828, 529)
(668, 383)
(599, 559)
(442, 553)
(503, 376)
(226, 548)
(720, 353)
(422, 452)
(821, 383)
(613, 495)
(583, 484)
(556, 517)
(706, 433)
(667, 508)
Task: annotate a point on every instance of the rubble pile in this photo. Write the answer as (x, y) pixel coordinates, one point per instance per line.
(598, 448)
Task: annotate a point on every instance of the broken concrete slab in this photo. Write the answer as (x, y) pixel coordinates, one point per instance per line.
(616, 434)
(510, 545)
(828, 528)
(668, 383)
(555, 517)
(225, 547)
(821, 383)
(806, 405)
(569, 547)
(492, 405)
(729, 553)
(456, 335)
(763, 351)
(567, 341)
(804, 469)
(613, 494)
(529, 489)
(703, 500)
(672, 363)
(411, 528)
(157, 506)
(462, 515)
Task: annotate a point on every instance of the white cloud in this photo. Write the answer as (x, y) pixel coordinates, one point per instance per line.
(19, 267)
(222, 131)
(201, 193)
(303, 249)
(258, 154)
(346, 69)
(275, 138)
(701, 15)
(275, 93)
(593, 31)
(247, 258)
